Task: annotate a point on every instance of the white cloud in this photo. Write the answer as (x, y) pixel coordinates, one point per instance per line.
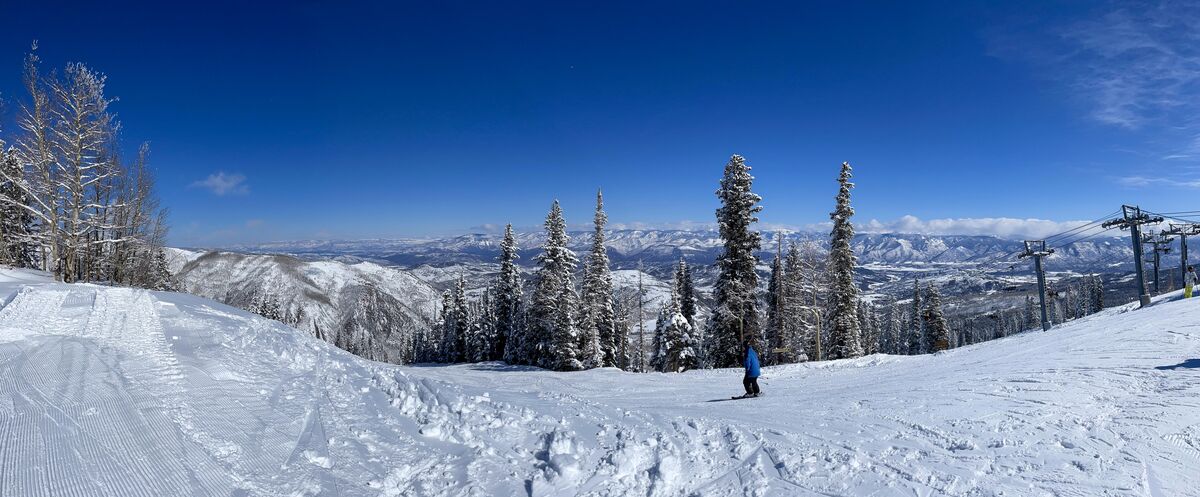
(1145, 182)
(221, 184)
(1137, 64)
(488, 228)
(676, 225)
(1134, 65)
(1003, 227)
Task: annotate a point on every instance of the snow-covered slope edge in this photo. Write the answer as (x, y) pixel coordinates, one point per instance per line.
(367, 309)
(107, 391)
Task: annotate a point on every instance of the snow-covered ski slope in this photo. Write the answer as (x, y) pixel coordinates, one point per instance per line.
(119, 392)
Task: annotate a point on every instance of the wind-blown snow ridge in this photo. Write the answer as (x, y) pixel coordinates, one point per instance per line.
(107, 391)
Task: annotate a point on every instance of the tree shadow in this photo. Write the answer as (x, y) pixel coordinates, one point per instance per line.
(1188, 364)
(496, 366)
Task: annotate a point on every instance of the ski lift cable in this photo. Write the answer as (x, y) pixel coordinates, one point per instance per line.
(1086, 235)
(1103, 219)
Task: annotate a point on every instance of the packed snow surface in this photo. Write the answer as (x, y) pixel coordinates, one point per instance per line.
(119, 392)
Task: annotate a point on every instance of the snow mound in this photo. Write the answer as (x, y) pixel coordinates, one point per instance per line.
(111, 391)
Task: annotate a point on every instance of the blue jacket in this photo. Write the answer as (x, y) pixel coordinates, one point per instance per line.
(751, 364)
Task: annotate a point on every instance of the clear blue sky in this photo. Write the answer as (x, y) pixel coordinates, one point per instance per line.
(392, 119)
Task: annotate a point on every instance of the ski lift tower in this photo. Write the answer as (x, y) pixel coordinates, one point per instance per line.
(1184, 231)
(1132, 218)
(1037, 250)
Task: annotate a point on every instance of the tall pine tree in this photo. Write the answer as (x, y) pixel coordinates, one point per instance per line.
(794, 322)
(845, 336)
(686, 290)
(597, 319)
(937, 331)
(1097, 294)
(776, 308)
(510, 343)
(734, 319)
(17, 231)
(552, 307)
(916, 324)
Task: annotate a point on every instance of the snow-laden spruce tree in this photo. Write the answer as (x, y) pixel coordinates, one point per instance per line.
(658, 344)
(510, 343)
(448, 328)
(896, 340)
(844, 334)
(1033, 317)
(865, 332)
(597, 318)
(681, 345)
(637, 358)
(1096, 295)
(776, 308)
(674, 346)
(794, 322)
(937, 331)
(624, 307)
(456, 322)
(916, 323)
(551, 320)
(734, 318)
(160, 278)
(484, 329)
(17, 232)
(686, 290)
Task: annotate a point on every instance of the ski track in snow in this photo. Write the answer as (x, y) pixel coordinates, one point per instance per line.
(120, 392)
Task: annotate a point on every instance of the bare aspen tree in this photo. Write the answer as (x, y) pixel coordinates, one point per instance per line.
(83, 128)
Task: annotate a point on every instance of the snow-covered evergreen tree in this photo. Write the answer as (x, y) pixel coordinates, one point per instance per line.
(793, 326)
(510, 343)
(597, 319)
(1033, 314)
(458, 351)
(443, 345)
(686, 291)
(1097, 294)
(937, 331)
(658, 344)
(681, 345)
(638, 357)
(674, 347)
(267, 306)
(160, 277)
(916, 324)
(812, 276)
(897, 341)
(484, 329)
(624, 306)
(776, 308)
(867, 326)
(734, 318)
(552, 307)
(17, 231)
(845, 335)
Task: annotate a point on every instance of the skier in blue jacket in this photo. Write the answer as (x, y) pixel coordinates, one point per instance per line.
(750, 362)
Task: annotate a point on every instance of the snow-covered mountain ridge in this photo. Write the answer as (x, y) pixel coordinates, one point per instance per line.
(112, 391)
(628, 247)
(370, 310)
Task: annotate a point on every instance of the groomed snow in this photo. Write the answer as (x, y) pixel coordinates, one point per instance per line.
(119, 392)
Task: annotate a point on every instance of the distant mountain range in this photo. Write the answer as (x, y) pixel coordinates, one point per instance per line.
(372, 296)
(655, 247)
